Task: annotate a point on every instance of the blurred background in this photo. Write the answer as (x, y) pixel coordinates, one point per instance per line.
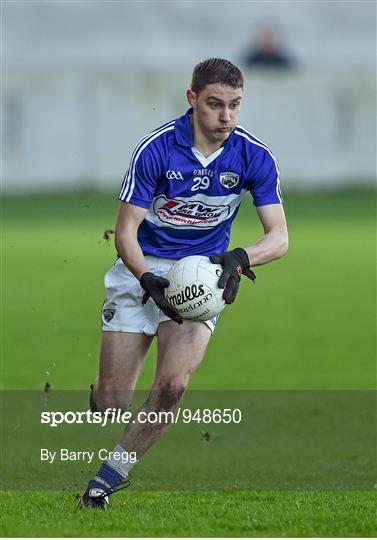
(83, 81)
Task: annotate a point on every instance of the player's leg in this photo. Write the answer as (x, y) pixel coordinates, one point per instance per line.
(180, 351)
(121, 358)
(128, 329)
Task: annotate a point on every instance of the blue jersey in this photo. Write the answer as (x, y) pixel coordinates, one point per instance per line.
(192, 200)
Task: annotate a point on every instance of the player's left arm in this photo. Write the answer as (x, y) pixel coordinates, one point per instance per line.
(274, 242)
(272, 245)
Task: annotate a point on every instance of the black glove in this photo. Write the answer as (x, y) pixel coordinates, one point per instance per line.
(234, 264)
(154, 288)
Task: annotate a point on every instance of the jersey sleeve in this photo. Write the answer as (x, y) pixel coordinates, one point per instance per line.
(264, 179)
(140, 181)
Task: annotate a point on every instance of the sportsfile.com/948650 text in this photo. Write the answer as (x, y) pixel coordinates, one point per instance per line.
(116, 416)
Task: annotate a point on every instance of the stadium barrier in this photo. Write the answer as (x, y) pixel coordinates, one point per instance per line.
(72, 131)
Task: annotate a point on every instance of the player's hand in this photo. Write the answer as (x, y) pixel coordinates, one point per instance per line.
(234, 263)
(154, 288)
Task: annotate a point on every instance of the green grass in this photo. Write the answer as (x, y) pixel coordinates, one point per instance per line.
(308, 323)
(240, 514)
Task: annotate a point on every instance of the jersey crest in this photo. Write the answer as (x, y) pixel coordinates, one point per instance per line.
(229, 179)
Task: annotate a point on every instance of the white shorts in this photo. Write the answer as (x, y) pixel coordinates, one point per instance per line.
(122, 310)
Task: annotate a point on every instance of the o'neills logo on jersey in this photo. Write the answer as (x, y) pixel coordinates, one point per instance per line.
(229, 179)
(189, 213)
(189, 294)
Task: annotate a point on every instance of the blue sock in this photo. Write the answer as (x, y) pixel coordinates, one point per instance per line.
(107, 478)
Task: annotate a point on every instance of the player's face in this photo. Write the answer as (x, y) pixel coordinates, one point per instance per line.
(216, 110)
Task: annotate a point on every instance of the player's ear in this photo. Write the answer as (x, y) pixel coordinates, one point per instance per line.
(191, 98)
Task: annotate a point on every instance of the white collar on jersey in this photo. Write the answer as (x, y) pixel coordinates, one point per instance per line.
(203, 160)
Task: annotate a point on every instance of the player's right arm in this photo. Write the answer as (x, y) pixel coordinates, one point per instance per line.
(129, 250)
(129, 219)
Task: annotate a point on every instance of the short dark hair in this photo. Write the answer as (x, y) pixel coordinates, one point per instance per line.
(216, 70)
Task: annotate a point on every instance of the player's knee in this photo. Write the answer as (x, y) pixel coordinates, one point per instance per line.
(169, 393)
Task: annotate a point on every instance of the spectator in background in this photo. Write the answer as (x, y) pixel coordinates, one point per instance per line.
(267, 51)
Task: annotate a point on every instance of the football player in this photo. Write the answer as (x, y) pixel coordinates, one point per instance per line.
(179, 197)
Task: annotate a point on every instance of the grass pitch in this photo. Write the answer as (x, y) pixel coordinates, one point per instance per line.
(201, 514)
(309, 323)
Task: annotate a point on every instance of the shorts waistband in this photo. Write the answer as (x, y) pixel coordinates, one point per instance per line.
(159, 260)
